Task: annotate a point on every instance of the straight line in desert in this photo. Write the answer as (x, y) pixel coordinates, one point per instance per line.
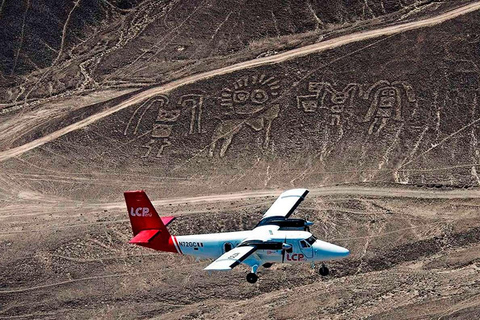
(295, 53)
(323, 191)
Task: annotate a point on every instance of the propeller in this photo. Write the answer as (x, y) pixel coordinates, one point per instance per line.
(285, 248)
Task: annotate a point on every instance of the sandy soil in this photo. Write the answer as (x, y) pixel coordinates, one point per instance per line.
(414, 254)
(64, 229)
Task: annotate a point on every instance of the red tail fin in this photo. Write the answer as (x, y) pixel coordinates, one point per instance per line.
(143, 215)
(149, 229)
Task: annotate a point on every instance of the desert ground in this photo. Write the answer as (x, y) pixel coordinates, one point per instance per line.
(415, 254)
(216, 107)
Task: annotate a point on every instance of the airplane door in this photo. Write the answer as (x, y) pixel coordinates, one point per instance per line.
(306, 249)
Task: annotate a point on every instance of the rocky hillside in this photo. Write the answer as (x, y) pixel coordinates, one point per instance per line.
(48, 47)
(401, 108)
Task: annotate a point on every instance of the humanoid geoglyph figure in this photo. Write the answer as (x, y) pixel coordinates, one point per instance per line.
(327, 97)
(248, 103)
(387, 101)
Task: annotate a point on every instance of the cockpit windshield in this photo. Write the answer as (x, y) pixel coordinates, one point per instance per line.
(311, 240)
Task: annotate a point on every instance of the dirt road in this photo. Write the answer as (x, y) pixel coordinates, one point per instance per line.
(318, 192)
(299, 52)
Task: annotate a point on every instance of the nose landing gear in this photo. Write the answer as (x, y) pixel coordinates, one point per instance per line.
(323, 271)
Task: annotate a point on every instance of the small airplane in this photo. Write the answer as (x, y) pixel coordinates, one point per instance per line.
(275, 239)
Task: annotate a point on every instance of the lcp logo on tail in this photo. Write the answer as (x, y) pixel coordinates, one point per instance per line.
(140, 212)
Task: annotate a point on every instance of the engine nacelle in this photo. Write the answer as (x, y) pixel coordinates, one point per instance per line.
(286, 224)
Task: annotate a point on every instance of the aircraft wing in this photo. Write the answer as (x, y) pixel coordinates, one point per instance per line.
(286, 203)
(231, 259)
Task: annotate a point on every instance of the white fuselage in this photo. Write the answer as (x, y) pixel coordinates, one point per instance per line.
(214, 245)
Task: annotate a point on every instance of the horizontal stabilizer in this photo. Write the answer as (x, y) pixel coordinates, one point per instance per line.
(167, 220)
(144, 236)
(231, 259)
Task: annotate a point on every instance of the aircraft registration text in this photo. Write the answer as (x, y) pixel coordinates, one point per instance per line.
(191, 244)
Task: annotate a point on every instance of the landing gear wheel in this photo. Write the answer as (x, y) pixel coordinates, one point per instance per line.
(323, 271)
(252, 277)
(267, 265)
